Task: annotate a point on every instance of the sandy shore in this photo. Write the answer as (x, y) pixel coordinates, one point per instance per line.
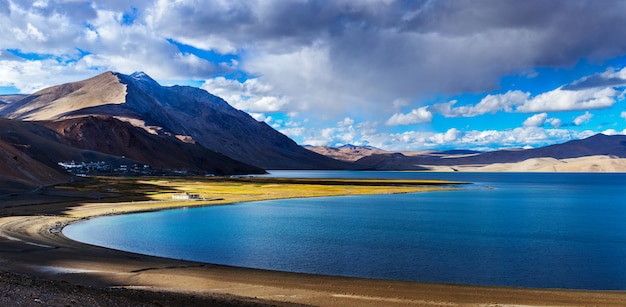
(33, 251)
(588, 164)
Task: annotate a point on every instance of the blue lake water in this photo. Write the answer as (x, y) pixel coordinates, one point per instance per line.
(509, 229)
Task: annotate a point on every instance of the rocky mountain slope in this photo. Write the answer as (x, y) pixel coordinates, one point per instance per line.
(118, 138)
(30, 152)
(188, 113)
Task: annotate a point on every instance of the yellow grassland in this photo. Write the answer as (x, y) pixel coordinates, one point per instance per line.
(126, 194)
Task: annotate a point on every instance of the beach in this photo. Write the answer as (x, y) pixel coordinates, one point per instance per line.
(34, 254)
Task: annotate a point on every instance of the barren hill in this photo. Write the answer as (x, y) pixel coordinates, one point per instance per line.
(349, 153)
(30, 152)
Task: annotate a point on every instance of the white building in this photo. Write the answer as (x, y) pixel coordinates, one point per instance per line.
(185, 196)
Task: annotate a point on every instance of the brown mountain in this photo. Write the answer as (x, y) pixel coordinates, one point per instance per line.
(114, 137)
(189, 113)
(596, 145)
(348, 153)
(30, 152)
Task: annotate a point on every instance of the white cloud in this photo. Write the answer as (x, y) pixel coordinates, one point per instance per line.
(557, 100)
(490, 104)
(261, 117)
(623, 114)
(369, 133)
(566, 100)
(446, 138)
(614, 132)
(296, 132)
(416, 116)
(67, 41)
(536, 120)
(477, 139)
(346, 122)
(583, 119)
(251, 95)
(555, 122)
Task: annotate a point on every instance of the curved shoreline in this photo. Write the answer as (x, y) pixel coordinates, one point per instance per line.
(33, 244)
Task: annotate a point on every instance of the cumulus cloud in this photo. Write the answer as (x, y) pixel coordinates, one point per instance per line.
(368, 133)
(557, 100)
(614, 132)
(346, 131)
(536, 120)
(490, 104)
(63, 41)
(251, 95)
(583, 119)
(416, 116)
(346, 122)
(555, 122)
(477, 139)
(567, 100)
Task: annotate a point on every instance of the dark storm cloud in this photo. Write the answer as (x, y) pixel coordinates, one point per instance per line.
(410, 47)
(373, 52)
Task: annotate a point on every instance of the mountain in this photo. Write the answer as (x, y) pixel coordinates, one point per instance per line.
(187, 113)
(29, 155)
(348, 153)
(118, 138)
(30, 152)
(597, 145)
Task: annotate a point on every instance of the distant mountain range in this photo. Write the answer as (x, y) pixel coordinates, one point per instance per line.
(348, 153)
(597, 145)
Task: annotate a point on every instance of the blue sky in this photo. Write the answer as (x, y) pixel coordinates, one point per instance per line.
(398, 75)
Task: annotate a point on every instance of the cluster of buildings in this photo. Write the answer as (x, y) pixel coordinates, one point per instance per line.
(101, 167)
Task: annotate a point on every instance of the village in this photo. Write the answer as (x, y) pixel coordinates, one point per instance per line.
(101, 167)
(120, 167)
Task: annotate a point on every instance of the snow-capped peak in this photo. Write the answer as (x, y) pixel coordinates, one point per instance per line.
(141, 76)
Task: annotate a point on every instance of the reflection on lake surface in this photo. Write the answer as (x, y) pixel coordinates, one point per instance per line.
(512, 229)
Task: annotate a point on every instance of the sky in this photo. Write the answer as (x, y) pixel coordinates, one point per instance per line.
(397, 75)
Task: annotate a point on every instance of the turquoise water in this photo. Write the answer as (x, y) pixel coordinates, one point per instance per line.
(528, 230)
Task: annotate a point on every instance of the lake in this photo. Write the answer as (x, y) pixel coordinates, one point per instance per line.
(547, 230)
